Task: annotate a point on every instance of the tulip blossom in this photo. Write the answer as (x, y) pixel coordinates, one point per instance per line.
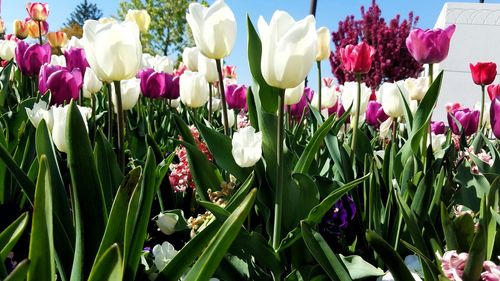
(20, 29)
(130, 90)
(58, 60)
(59, 117)
(45, 71)
(38, 112)
(288, 49)
(297, 109)
(357, 58)
(229, 72)
(106, 20)
(171, 87)
(375, 114)
(208, 68)
(468, 119)
(438, 127)
(483, 73)
(108, 45)
(391, 100)
(2, 26)
(328, 97)
(64, 85)
(495, 117)
(246, 147)
(190, 58)
(30, 58)
(152, 83)
(416, 88)
(193, 89)
(166, 222)
(158, 63)
(75, 58)
(236, 96)
(38, 11)
(349, 97)
(493, 91)
(73, 42)
(91, 84)
(429, 46)
(139, 17)
(34, 28)
(7, 49)
(293, 95)
(213, 28)
(163, 254)
(57, 39)
(323, 48)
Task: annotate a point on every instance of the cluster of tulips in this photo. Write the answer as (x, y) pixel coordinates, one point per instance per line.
(174, 170)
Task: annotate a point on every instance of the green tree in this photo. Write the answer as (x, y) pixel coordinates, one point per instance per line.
(84, 11)
(168, 33)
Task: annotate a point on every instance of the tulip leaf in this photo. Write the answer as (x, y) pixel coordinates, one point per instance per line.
(252, 109)
(220, 146)
(4, 81)
(109, 267)
(90, 209)
(241, 193)
(19, 273)
(321, 251)
(358, 268)
(426, 107)
(449, 232)
(268, 95)
(477, 251)
(10, 236)
(41, 251)
(208, 262)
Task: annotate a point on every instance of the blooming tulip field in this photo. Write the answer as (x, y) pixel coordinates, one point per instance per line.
(119, 165)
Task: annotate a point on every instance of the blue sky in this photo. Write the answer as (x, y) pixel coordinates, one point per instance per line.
(329, 12)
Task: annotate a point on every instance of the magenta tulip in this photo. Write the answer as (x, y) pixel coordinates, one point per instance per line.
(494, 91)
(357, 58)
(495, 117)
(64, 85)
(468, 119)
(45, 71)
(153, 83)
(75, 58)
(297, 109)
(172, 86)
(236, 96)
(430, 45)
(30, 58)
(438, 127)
(375, 114)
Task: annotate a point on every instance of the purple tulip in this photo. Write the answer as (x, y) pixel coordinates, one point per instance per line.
(45, 71)
(153, 83)
(468, 119)
(495, 117)
(375, 115)
(236, 96)
(430, 45)
(75, 58)
(172, 86)
(30, 58)
(438, 127)
(340, 215)
(64, 85)
(297, 109)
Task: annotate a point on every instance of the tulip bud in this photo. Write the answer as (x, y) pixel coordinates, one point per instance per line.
(429, 46)
(30, 58)
(38, 112)
(437, 142)
(328, 98)
(91, 84)
(286, 61)
(323, 49)
(293, 95)
(494, 91)
(60, 115)
(64, 85)
(467, 118)
(416, 88)
(375, 114)
(45, 71)
(152, 83)
(7, 49)
(166, 222)
(216, 104)
(208, 68)
(190, 58)
(350, 97)
(58, 60)
(236, 96)
(171, 86)
(495, 117)
(213, 28)
(483, 73)
(57, 39)
(438, 127)
(34, 28)
(230, 118)
(140, 17)
(193, 89)
(246, 147)
(130, 90)
(357, 58)
(76, 58)
(391, 100)
(2, 26)
(38, 11)
(20, 29)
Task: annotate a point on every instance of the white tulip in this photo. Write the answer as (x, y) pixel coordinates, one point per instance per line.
(391, 100)
(416, 88)
(91, 84)
(147, 61)
(293, 95)
(60, 115)
(166, 222)
(38, 112)
(175, 103)
(113, 50)
(216, 104)
(247, 146)
(58, 60)
(107, 20)
(208, 68)
(190, 58)
(385, 128)
(213, 28)
(288, 49)
(350, 97)
(328, 97)
(7, 49)
(163, 64)
(230, 118)
(193, 89)
(139, 17)
(486, 114)
(163, 254)
(130, 90)
(73, 42)
(323, 51)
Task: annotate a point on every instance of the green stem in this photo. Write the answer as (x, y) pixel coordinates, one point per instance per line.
(110, 113)
(120, 125)
(210, 103)
(222, 97)
(318, 63)
(40, 32)
(427, 133)
(481, 124)
(431, 73)
(278, 205)
(356, 117)
(94, 121)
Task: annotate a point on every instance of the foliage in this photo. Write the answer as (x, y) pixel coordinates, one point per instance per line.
(83, 11)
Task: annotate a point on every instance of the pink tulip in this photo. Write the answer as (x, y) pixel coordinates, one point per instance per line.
(38, 11)
(483, 73)
(375, 115)
(64, 85)
(152, 83)
(468, 119)
(357, 59)
(430, 45)
(75, 58)
(236, 96)
(494, 91)
(30, 58)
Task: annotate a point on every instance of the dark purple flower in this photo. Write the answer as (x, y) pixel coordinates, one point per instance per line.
(375, 115)
(236, 96)
(153, 83)
(75, 58)
(468, 119)
(495, 117)
(30, 58)
(297, 109)
(45, 71)
(64, 85)
(172, 86)
(340, 215)
(438, 127)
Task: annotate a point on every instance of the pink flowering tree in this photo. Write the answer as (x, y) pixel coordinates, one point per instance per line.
(392, 61)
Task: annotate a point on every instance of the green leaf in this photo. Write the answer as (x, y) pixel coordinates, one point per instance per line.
(206, 265)
(477, 251)
(426, 107)
(89, 206)
(240, 194)
(449, 232)
(109, 267)
(391, 258)
(329, 261)
(41, 252)
(358, 268)
(19, 273)
(10, 236)
(252, 110)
